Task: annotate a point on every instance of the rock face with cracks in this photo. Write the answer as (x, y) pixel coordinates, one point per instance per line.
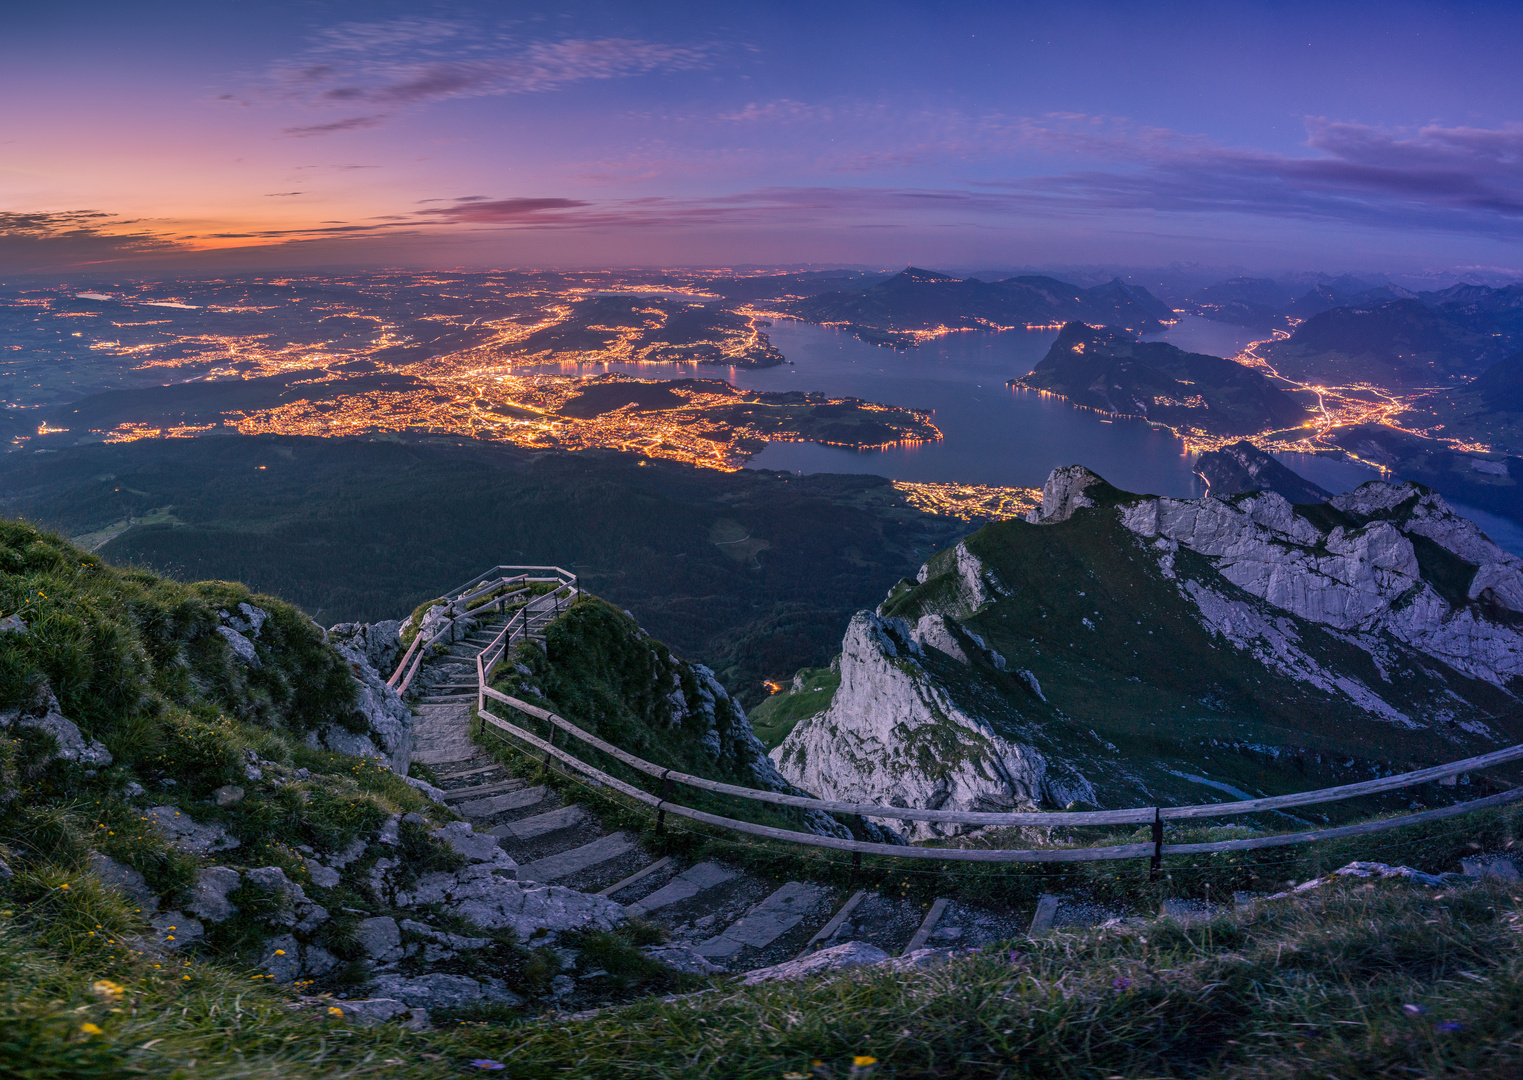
(892, 735)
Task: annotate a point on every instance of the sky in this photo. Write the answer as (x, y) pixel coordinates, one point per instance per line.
(246, 135)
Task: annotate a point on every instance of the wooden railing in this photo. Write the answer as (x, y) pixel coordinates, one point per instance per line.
(457, 600)
(1156, 816)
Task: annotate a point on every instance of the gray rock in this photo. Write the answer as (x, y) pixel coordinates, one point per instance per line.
(70, 743)
(866, 747)
(175, 929)
(367, 1012)
(209, 897)
(438, 990)
(477, 848)
(324, 877)
(126, 879)
(310, 917)
(380, 938)
(343, 741)
(317, 961)
(273, 879)
(681, 958)
(281, 959)
(561, 985)
(389, 719)
(182, 831)
(836, 958)
(13, 624)
(241, 646)
(1500, 867)
(922, 958)
(133, 790)
(6, 873)
(255, 616)
(390, 833)
(434, 793)
(228, 794)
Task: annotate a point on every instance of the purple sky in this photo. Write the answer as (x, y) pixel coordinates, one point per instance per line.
(1336, 136)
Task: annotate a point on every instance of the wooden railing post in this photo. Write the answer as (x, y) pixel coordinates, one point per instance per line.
(666, 794)
(1155, 865)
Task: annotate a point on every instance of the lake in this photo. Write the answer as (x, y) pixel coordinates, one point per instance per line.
(992, 433)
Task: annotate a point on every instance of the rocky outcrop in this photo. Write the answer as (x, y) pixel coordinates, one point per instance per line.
(967, 584)
(69, 743)
(1363, 577)
(1063, 493)
(893, 734)
(389, 722)
(1243, 467)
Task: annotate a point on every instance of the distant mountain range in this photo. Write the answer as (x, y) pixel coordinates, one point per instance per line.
(1111, 372)
(1403, 343)
(895, 312)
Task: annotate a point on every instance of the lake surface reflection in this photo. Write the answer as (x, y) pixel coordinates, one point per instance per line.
(993, 434)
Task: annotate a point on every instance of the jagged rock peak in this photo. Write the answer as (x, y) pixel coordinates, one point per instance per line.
(1243, 467)
(1063, 493)
(889, 718)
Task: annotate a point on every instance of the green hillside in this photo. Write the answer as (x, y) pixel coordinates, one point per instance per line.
(366, 530)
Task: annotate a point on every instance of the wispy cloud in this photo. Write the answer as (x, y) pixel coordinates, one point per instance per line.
(404, 63)
(352, 123)
(474, 211)
(1459, 178)
(74, 238)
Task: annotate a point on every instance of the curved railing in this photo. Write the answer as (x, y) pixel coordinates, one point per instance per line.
(1156, 816)
(499, 577)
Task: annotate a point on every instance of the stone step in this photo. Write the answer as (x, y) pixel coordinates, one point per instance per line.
(1046, 908)
(685, 886)
(540, 824)
(462, 773)
(555, 867)
(497, 804)
(638, 876)
(477, 791)
(829, 930)
(767, 921)
(932, 917)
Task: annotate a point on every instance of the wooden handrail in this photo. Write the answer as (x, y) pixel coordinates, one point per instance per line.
(1134, 816)
(988, 855)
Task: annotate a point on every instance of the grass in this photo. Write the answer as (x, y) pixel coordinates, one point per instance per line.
(779, 714)
(1354, 979)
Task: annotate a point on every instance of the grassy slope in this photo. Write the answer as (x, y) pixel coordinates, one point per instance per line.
(1304, 987)
(1143, 688)
(1309, 987)
(779, 714)
(366, 530)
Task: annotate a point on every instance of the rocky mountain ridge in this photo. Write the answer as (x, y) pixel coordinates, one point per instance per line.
(1268, 631)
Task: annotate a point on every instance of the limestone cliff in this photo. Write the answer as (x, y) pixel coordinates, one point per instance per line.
(1115, 648)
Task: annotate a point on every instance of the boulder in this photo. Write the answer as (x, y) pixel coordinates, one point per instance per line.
(182, 831)
(281, 958)
(367, 1012)
(240, 646)
(126, 879)
(175, 929)
(682, 958)
(209, 896)
(477, 848)
(836, 958)
(380, 938)
(438, 990)
(69, 742)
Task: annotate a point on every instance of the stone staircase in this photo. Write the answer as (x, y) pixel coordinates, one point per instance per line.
(719, 916)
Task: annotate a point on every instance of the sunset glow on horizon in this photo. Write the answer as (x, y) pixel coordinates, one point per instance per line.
(271, 135)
